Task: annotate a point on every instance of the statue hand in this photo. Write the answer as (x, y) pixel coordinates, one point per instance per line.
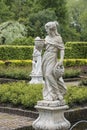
(60, 63)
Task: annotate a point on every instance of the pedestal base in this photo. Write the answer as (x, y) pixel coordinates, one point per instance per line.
(36, 79)
(51, 116)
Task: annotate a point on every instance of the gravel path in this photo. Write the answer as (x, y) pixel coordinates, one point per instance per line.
(12, 122)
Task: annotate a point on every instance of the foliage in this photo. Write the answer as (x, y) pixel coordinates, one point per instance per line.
(9, 52)
(35, 11)
(78, 17)
(83, 82)
(76, 50)
(15, 62)
(15, 72)
(23, 41)
(21, 70)
(26, 95)
(71, 15)
(72, 73)
(20, 93)
(76, 95)
(72, 50)
(67, 62)
(5, 13)
(75, 62)
(11, 30)
(59, 6)
(38, 20)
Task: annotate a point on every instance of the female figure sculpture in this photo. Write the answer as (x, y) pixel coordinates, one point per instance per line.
(52, 108)
(54, 87)
(36, 68)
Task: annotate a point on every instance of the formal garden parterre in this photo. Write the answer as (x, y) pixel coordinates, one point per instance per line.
(16, 63)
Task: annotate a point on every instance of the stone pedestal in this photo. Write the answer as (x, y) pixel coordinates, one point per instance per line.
(51, 116)
(36, 79)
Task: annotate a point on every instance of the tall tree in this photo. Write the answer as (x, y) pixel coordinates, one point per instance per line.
(5, 13)
(59, 6)
(78, 17)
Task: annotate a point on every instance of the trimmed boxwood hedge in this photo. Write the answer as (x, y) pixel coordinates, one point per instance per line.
(67, 62)
(73, 50)
(76, 50)
(75, 62)
(9, 52)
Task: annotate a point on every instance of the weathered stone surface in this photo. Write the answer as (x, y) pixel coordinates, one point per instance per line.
(36, 74)
(52, 108)
(51, 117)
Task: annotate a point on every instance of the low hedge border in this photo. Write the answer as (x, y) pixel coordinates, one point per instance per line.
(21, 93)
(76, 50)
(73, 50)
(75, 62)
(9, 52)
(67, 62)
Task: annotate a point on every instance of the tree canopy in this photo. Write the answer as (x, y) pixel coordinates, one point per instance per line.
(71, 15)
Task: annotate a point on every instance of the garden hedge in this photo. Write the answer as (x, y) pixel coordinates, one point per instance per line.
(27, 95)
(73, 50)
(76, 50)
(67, 62)
(9, 52)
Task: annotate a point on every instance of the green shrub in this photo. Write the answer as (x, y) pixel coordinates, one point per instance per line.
(20, 93)
(72, 73)
(15, 52)
(20, 69)
(8, 52)
(83, 82)
(23, 71)
(67, 62)
(76, 95)
(76, 50)
(23, 41)
(15, 72)
(27, 95)
(74, 62)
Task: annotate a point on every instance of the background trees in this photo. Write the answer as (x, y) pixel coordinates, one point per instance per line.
(77, 10)
(71, 15)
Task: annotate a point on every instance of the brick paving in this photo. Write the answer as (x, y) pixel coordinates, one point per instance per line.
(12, 122)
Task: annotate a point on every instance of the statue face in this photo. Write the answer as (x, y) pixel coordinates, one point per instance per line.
(50, 27)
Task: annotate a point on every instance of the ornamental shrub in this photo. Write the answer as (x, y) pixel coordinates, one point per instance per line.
(73, 50)
(76, 95)
(20, 93)
(23, 41)
(27, 95)
(9, 52)
(75, 62)
(76, 50)
(67, 62)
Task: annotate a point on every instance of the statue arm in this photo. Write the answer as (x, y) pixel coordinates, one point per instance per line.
(61, 58)
(61, 55)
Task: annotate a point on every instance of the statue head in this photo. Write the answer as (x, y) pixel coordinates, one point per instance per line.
(51, 27)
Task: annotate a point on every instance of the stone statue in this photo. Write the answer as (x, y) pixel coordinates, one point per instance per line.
(36, 67)
(52, 69)
(36, 73)
(52, 107)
